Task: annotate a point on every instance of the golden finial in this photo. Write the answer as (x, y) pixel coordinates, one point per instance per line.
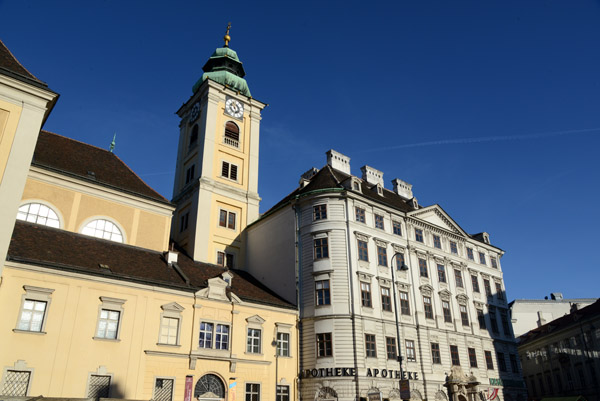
(227, 38)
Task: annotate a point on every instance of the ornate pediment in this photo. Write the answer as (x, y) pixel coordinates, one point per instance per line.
(445, 295)
(426, 289)
(173, 307)
(462, 299)
(255, 319)
(436, 216)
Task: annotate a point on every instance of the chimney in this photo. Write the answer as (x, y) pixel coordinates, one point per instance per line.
(171, 257)
(338, 161)
(556, 296)
(372, 176)
(402, 188)
(307, 176)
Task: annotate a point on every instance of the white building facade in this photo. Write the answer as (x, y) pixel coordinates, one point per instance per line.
(346, 237)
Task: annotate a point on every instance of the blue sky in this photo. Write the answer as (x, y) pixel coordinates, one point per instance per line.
(489, 108)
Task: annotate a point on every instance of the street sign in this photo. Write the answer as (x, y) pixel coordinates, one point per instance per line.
(404, 389)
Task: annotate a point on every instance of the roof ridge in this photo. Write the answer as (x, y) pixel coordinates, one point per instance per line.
(113, 155)
(18, 62)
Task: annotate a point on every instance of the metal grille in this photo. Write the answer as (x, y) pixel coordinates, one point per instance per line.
(16, 383)
(210, 384)
(99, 386)
(163, 390)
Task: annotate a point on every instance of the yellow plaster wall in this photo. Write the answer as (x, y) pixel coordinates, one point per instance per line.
(140, 227)
(64, 356)
(9, 120)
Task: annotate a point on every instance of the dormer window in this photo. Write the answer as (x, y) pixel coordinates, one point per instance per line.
(232, 134)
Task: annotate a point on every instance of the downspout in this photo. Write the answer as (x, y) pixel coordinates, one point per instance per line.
(351, 300)
(298, 259)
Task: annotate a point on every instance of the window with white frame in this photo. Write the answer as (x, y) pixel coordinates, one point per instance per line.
(411, 354)
(39, 214)
(109, 318)
(163, 389)
(34, 308)
(397, 227)
(382, 256)
(101, 228)
(229, 170)
(283, 393)
(225, 259)
(322, 292)
(254, 334)
(283, 344)
(170, 323)
(379, 221)
(252, 392)
(227, 219)
(213, 335)
(360, 214)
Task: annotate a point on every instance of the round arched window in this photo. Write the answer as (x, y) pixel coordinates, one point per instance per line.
(38, 213)
(232, 134)
(103, 229)
(209, 387)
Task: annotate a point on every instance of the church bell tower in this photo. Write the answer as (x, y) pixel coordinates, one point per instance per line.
(216, 178)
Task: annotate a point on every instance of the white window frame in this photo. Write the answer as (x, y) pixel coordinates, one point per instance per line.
(170, 311)
(110, 304)
(254, 323)
(283, 328)
(228, 213)
(213, 333)
(110, 220)
(36, 294)
(50, 206)
(246, 393)
(228, 176)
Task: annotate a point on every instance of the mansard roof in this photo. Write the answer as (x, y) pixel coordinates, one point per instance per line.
(330, 179)
(572, 319)
(10, 66)
(89, 163)
(66, 251)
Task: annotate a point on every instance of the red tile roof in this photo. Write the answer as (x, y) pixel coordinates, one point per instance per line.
(67, 251)
(89, 163)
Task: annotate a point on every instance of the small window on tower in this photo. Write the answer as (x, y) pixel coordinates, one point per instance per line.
(232, 134)
(229, 170)
(194, 136)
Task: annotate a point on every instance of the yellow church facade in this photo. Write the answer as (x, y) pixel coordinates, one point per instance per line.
(103, 298)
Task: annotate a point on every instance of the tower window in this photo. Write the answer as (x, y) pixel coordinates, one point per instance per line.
(232, 134)
(194, 136)
(229, 170)
(227, 219)
(189, 174)
(225, 259)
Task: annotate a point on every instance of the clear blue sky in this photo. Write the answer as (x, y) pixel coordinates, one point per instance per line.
(489, 108)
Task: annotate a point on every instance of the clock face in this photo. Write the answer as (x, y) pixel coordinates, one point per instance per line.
(195, 112)
(234, 108)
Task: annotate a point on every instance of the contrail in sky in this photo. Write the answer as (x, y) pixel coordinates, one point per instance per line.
(487, 139)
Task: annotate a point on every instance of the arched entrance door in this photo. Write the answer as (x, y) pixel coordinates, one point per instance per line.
(209, 388)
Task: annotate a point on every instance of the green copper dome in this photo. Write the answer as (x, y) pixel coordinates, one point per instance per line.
(225, 67)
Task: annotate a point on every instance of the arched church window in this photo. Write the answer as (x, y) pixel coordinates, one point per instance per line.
(39, 214)
(104, 229)
(194, 136)
(209, 387)
(232, 134)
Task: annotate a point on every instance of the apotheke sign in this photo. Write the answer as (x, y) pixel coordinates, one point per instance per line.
(349, 372)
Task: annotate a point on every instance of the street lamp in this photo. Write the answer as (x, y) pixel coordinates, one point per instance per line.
(402, 268)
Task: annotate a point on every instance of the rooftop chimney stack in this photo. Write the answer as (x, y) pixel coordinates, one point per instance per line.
(372, 175)
(402, 188)
(556, 296)
(338, 161)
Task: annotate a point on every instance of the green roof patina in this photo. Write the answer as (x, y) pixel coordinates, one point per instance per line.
(225, 67)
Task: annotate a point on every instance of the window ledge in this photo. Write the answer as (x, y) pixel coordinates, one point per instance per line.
(29, 331)
(114, 340)
(169, 345)
(253, 353)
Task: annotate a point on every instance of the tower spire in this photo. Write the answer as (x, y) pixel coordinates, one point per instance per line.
(227, 38)
(113, 143)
